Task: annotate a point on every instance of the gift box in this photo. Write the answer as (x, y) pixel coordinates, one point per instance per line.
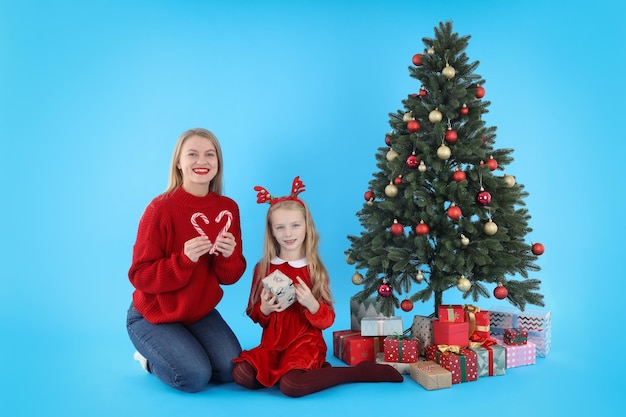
(538, 324)
(478, 323)
(381, 326)
(430, 375)
(422, 330)
(460, 361)
(370, 307)
(400, 349)
(451, 313)
(518, 355)
(491, 358)
(403, 368)
(351, 347)
(281, 286)
(450, 333)
(515, 337)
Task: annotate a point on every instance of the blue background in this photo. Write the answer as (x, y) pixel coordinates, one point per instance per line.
(93, 96)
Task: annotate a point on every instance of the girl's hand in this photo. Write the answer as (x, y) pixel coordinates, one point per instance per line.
(226, 244)
(268, 303)
(305, 296)
(196, 247)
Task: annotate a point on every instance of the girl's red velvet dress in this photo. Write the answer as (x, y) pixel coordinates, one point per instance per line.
(291, 339)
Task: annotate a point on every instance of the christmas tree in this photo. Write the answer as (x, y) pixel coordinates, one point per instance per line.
(441, 213)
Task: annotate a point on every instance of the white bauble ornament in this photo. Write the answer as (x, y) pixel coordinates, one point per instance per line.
(357, 278)
(443, 152)
(407, 116)
(435, 116)
(448, 71)
(431, 51)
(509, 180)
(421, 167)
(391, 190)
(419, 277)
(464, 240)
(391, 155)
(490, 228)
(463, 284)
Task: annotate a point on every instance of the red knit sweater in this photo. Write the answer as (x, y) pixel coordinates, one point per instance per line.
(169, 287)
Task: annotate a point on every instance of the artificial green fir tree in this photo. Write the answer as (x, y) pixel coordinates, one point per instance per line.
(441, 213)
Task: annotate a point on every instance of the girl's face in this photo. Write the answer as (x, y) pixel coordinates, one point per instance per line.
(289, 230)
(198, 164)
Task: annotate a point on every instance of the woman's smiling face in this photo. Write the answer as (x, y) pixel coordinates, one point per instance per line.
(198, 164)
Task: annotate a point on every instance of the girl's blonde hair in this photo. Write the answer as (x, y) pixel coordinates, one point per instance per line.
(271, 249)
(176, 178)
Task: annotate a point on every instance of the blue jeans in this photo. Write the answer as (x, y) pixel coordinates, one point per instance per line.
(186, 357)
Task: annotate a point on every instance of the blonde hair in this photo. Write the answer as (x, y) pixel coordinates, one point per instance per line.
(176, 178)
(271, 248)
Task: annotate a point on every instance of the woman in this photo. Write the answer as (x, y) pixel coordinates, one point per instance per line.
(188, 245)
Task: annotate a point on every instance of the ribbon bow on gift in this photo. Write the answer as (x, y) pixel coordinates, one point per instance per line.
(483, 343)
(449, 348)
(470, 312)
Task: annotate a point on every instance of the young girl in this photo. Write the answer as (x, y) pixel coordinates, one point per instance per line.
(188, 245)
(292, 352)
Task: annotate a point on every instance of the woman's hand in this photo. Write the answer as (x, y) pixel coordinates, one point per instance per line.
(305, 297)
(225, 244)
(196, 247)
(268, 303)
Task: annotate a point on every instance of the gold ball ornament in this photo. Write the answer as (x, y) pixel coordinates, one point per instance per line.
(349, 260)
(419, 277)
(407, 116)
(509, 180)
(391, 190)
(431, 51)
(435, 116)
(421, 167)
(463, 284)
(490, 228)
(464, 240)
(357, 278)
(448, 71)
(443, 152)
(391, 155)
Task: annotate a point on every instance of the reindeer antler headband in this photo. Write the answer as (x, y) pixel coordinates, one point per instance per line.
(263, 196)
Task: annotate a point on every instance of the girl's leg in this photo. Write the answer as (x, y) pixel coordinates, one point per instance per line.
(172, 353)
(244, 374)
(220, 344)
(298, 382)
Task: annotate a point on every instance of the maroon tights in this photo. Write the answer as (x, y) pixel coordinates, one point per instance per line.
(298, 382)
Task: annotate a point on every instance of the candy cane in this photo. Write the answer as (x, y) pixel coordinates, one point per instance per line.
(229, 220)
(195, 223)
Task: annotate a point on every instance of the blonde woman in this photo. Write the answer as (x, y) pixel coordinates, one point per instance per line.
(188, 245)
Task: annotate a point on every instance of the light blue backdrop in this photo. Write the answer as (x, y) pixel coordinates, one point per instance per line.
(93, 96)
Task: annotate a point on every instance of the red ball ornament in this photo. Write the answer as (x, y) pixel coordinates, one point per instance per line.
(459, 175)
(454, 212)
(398, 180)
(369, 195)
(397, 229)
(492, 163)
(537, 249)
(413, 126)
(422, 228)
(412, 161)
(483, 198)
(423, 92)
(417, 60)
(388, 140)
(500, 292)
(480, 91)
(450, 136)
(384, 290)
(464, 110)
(406, 305)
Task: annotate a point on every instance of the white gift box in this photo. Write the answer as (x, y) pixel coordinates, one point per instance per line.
(381, 326)
(281, 286)
(370, 307)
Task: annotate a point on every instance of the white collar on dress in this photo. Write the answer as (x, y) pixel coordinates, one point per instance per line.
(296, 264)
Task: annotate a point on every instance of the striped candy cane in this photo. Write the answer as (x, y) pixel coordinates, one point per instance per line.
(194, 222)
(229, 220)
